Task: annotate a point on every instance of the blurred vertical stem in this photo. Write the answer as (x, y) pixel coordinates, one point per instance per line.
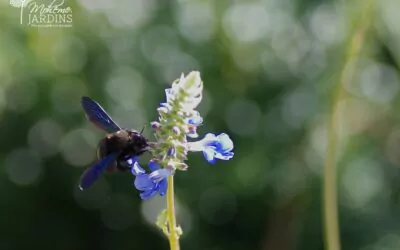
(354, 46)
(173, 235)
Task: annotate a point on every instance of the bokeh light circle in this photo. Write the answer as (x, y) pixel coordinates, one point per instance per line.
(197, 22)
(69, 55)
(125, 86)
(23, 167)
(21, 97)
(77, 147)
(44, 137)
(243, 117)
(66, 94)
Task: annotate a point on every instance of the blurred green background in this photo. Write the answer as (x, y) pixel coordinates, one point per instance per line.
(269, 68)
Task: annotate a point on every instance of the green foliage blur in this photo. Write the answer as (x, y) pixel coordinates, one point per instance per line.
(269, 69)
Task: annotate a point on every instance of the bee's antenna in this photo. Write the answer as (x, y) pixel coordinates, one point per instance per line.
(144, 126)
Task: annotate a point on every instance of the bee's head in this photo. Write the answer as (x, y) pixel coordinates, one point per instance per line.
(139, 142)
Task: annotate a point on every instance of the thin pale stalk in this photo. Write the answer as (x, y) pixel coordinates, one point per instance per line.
(355, 44)
(173, 236)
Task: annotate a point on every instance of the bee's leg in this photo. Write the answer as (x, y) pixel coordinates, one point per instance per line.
(122, 164)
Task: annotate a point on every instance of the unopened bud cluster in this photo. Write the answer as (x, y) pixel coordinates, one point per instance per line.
(177, 120)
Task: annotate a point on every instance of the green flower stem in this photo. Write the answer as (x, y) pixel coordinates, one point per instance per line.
(173, 235)
(355, 44)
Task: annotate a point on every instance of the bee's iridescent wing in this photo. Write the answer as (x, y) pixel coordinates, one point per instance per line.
(94, 172)
(96, 114)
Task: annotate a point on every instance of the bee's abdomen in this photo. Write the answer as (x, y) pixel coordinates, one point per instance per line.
(102, 149)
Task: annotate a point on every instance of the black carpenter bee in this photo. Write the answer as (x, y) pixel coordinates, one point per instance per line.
(115, 149)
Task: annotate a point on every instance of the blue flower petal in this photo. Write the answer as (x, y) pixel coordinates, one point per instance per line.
(151, 184)
(225, 142)
(224, 156)
(162, 187)
(214, 147)
(153, 165)
(195, 119)
(210, 137)
(137, 169)
(143, 182)
(208, 153)
(160, 174)
(148, 194)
